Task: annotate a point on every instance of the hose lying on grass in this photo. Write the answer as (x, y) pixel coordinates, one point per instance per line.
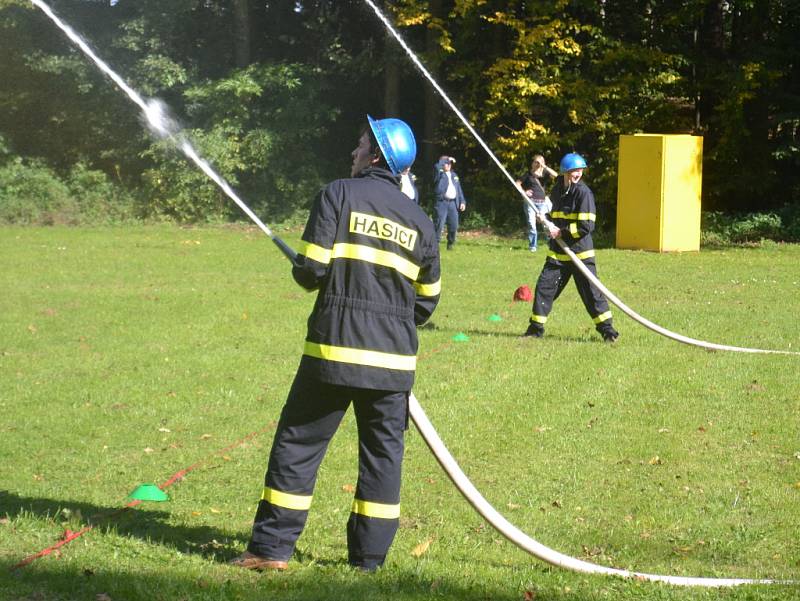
(646, 322)
(528, 544)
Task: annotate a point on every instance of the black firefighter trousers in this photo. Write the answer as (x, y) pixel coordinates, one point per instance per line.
(308, 421)
(551, 283)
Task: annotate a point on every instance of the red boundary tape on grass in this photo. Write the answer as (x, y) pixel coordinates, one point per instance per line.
(70, 536)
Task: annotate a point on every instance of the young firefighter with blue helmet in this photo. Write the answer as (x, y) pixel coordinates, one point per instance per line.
(573, 216)
(373, 258)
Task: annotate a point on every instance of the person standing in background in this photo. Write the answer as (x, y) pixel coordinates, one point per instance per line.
(535, 184)
(449, 198)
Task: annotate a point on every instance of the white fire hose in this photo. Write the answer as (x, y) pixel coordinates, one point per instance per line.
(528, 544)
(643, 320)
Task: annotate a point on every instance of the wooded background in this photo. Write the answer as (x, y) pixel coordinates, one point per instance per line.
(274, 94)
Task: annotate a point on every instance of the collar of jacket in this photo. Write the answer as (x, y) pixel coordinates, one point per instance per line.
(571, 189)
(381, 174)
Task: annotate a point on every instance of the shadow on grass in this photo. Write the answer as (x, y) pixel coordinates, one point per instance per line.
(57, 580)
(139, 522)
(309, 577)
(530, 339)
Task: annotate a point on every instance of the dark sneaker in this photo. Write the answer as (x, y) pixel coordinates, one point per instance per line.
(367, 564)
(533, 332)
(450, 246)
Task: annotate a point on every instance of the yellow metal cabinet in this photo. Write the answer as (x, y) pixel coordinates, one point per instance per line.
(658, 198)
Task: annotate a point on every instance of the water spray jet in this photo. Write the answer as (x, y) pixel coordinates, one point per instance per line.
(156, 115)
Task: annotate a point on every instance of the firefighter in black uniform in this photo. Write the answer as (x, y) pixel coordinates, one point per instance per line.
(373, 257)
(573, 215)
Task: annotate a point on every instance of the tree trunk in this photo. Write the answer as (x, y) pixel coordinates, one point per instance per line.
(433, 103)
(391, 91)
(710, 57)
(241, 32)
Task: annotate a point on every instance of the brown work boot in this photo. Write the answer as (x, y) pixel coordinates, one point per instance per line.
(251, 561)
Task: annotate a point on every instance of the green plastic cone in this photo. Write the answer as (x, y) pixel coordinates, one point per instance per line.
(495, 317)
(148, 492)
(461, 337)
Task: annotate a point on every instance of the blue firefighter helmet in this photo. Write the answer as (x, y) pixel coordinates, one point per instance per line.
(396, 141)
(572, 160)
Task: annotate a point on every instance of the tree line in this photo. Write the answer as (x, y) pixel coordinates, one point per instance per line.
(274, 93)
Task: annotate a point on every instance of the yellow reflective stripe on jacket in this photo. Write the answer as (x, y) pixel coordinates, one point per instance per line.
(538, 318)
(573, 229)
(285, 499)
(603, 317)
(344, 354)
(587, 254)
(344, 250)
(319, 254)
(376, 256)
(428, 289)
(376, 510)
(573, 216)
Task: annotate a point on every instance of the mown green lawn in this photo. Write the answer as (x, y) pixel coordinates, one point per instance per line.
(130, 354)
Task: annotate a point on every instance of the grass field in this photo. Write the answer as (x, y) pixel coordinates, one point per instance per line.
(128, 355)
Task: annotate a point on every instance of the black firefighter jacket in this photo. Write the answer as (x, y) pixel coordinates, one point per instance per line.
(573, 213)
(373, 256)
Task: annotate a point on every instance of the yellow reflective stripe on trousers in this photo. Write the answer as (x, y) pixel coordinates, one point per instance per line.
(344, 354)
(587, 254)
(428, 289)
(344, 250)
(538, 318)
(602, 317)
(319, 254)
(376, 510)
(574, 216)
(285, 499)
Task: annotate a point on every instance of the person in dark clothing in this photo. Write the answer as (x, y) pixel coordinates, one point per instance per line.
(449, 198)
(535, 184)
(373, 258)
(573, 217)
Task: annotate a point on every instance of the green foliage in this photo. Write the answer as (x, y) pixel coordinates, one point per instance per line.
(276, 93)
(175, 189)
(98, 199)
(33, 194)
(265, 123)
(790, 219)
(721, 229)
(5, 149)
